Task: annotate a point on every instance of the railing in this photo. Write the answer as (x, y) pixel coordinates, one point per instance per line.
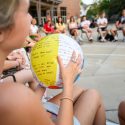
(48, 1)
(43, 19)
(55, 1)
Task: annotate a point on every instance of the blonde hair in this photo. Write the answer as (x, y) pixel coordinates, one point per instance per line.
(7, 10)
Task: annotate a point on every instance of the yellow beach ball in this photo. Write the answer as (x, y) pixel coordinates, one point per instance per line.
(44, 58)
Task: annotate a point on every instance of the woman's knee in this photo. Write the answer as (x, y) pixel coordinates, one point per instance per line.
(95, 95)
(121, 109)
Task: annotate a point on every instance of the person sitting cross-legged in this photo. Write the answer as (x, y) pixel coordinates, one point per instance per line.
(120, 25)
(74, 30)
(85, 25)
(34, 31)
(102, 23)
(48, 27)
(60, 26)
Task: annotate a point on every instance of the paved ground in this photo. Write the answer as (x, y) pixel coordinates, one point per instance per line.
(105, 71)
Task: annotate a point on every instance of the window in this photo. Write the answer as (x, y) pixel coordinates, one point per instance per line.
(63, 11)
(54, 11)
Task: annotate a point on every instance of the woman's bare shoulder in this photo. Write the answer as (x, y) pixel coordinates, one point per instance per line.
(21, 104)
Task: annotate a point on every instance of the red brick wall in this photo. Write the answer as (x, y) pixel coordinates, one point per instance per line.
(73, 7)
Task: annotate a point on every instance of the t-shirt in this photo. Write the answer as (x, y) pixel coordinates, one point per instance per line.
(122, 20)
(60, 26)
(48, 28)
(102, 21)
(85, 23)
(73, 25)
(34, 29)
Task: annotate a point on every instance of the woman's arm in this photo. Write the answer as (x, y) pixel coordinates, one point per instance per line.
(65, 115)
(44, 30)
(69, 73)
(10, 64)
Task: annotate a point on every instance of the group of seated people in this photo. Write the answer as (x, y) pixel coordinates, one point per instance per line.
(76, 29)
(73, 26)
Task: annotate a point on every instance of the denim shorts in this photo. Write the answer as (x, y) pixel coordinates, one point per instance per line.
(53, 108)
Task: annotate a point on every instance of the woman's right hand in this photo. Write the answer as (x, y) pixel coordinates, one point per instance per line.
(70, 72)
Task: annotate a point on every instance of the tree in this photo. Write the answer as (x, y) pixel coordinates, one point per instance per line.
(111, 7)
(115, 7)
(93, 10)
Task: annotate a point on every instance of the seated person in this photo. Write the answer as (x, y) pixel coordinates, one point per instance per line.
(120, 25)
(121, 113)
(48, 27)
(102, 24)
(17, 56)
(34, 30)
(85, 25)
(60, 26)
(16, 69)
(73, 29)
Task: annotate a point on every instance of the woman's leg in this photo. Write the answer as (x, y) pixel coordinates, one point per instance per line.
(86, 32)
(88, 107)
(101, 33)
(123, 34)
(113, 32)
(76, 93)
(90, 31)
(121, 113)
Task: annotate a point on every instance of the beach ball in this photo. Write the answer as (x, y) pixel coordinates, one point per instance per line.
(44, 62)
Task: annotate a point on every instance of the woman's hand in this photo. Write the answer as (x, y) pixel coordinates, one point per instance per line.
(70, 72)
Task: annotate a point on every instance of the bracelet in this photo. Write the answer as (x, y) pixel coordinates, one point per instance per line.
(67, 99)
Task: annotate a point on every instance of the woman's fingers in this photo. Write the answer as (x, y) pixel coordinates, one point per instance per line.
(73, 68)
(78, 61)
(60, 62)
(75, 61)
(73, 57)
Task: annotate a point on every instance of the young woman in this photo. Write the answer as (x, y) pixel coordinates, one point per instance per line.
(85, 25)
(102, 23)
(120, 25)
(60, 26)
(48, 27)
(34, 30)
(21, 106)
(73, 27)
(73, 30)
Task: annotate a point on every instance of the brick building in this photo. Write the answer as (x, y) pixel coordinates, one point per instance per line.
(40, 9)
(72, 7)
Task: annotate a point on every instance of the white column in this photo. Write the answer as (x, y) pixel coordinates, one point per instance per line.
(38, 7)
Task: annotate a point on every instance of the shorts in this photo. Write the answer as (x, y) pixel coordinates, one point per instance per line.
(54, 109)
(120, 28)
(102, 28)
(72, 31)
